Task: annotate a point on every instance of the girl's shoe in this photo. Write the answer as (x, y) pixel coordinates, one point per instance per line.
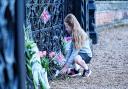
(86, 73)
(74, 73)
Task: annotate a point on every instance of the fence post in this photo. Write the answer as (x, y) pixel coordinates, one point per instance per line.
(20, 42)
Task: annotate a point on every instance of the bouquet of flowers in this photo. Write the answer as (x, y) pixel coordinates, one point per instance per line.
(56, 62)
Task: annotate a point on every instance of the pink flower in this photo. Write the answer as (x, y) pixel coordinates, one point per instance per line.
(42, 53)
(51, 54)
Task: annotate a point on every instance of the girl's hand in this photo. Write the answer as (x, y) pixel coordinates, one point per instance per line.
(64, 70)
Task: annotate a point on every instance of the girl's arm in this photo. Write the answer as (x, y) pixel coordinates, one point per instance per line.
(69, 51)
(72, 53)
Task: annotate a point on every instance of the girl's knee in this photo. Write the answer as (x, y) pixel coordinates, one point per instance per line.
(77, 58)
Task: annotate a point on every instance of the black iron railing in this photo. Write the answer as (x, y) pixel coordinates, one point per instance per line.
(47, 36)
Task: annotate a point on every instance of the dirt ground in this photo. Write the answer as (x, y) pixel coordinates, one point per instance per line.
(109, 64)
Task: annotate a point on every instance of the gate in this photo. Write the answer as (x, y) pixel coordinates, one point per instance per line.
(47, 36)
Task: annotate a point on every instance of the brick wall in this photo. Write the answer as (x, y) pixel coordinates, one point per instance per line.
(110, 12)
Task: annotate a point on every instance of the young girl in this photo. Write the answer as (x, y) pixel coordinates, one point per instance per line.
(80, 52)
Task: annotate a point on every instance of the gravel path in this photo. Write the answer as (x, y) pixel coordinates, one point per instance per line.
(109, 64)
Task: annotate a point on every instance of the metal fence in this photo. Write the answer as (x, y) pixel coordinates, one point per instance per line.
(47, 36)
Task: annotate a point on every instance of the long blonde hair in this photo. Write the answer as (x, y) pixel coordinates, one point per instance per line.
(78, 34)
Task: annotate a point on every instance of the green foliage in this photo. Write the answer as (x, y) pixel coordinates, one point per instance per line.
(42, 84)
(29, 53)
(45, 63)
